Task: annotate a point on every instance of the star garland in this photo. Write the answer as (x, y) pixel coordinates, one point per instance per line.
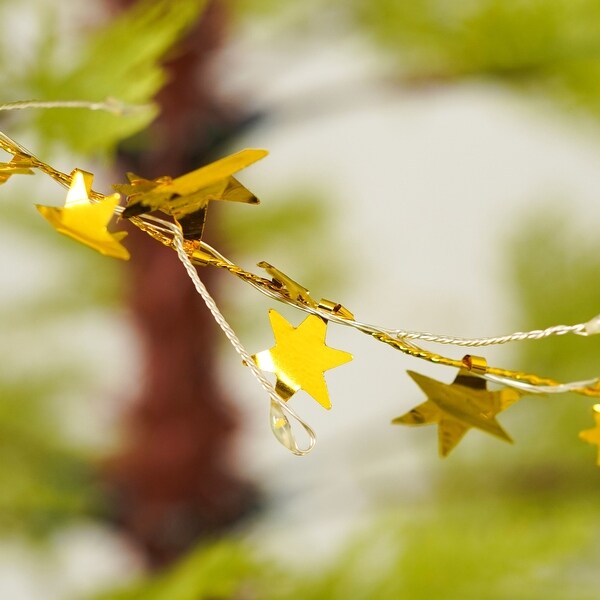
(300, 355)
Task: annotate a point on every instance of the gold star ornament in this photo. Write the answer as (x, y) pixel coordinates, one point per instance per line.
(186, 198)
(85, 221)
(458, 407)
(19, 165)
(592, 436)
(294, 290)
(300, 357)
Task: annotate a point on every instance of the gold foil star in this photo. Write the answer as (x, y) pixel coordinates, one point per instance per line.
(300, 357)
(592, 436)
(19, 165)
(186, 198)
(84, 221)
(294, 289)
(457, 407)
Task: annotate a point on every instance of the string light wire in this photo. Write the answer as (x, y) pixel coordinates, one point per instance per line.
(111, 105)
(171, 235)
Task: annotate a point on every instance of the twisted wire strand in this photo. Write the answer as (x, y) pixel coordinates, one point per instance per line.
(535, 334)
(561, 388)
(111, 105)
(235, 341)
(400, 334)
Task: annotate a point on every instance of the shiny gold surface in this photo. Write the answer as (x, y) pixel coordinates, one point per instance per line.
(87, 222)
(19, 165)
(458, 407)
(300, 357)
(476, 364)
(291, 288)
(186, 198)
(336, 308)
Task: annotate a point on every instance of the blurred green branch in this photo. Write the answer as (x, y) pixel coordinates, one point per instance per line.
(121, 60)
(512, 549)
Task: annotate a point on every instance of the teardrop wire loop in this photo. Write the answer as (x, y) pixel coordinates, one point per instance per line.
(283, 432)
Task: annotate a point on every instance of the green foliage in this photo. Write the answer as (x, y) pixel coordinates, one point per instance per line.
(492, 549)
(551, 47)
(44, 480)
(555, 268)
(505, 549)
(451, 39)
(287, 229)
(45, 476)
(547, 47)
(297, 213)
(223, 570)
(120, 60)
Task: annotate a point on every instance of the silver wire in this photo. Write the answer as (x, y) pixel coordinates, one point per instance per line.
(111, 105)
(235, 342)
(541, 389)
(404, 335)
(535, 334)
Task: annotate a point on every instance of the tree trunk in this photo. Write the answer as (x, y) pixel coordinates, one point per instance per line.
(175, 479)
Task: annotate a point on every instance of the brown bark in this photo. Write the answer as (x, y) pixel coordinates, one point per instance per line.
(174, 480)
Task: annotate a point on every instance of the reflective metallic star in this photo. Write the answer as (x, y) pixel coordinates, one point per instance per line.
(87, 222)
(457, 407)
(592, 436)
(19, 165)
(186, 198)
(294, 290)
(300, 357)
(297, 292)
